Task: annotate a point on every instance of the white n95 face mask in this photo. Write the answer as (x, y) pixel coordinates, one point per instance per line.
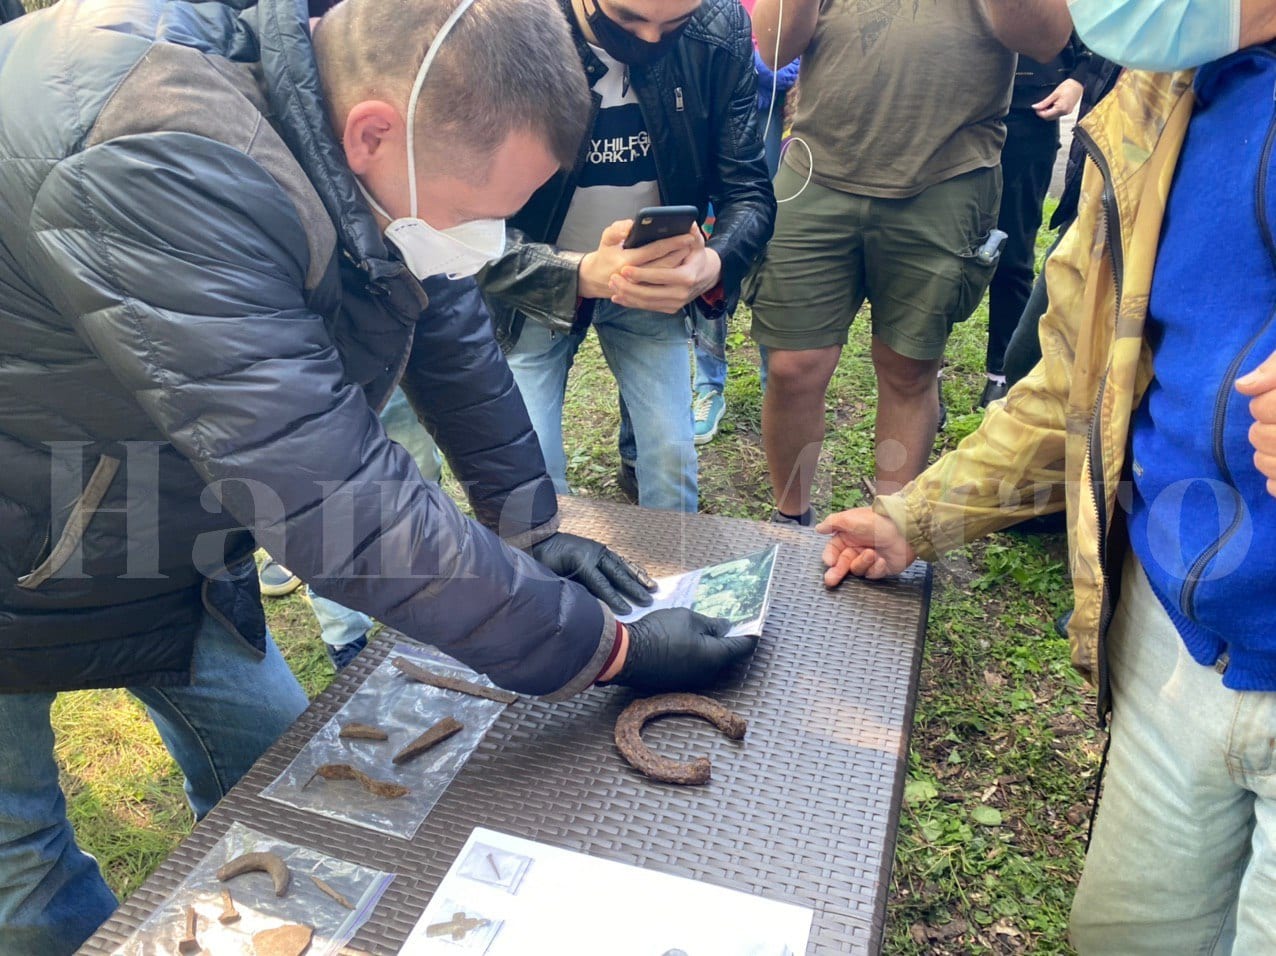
(1159, 35)
(455, 252)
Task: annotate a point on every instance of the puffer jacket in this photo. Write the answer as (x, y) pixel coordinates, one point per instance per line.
(198, 321)
(699, 104)
(1060, 437)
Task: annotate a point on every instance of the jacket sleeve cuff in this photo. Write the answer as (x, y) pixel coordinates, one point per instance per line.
(567, 267)
(525, 539)
(556, 301)
(528, 514)
(898, 509)
(588, 674)
(714, 302)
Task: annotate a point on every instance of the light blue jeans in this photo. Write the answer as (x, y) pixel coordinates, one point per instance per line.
(339, 625)
(647, 353)
(1183, 858)
(711, 371)
(52, 895)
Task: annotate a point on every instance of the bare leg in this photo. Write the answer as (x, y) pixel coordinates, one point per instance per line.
(907, 415)
(793, 421)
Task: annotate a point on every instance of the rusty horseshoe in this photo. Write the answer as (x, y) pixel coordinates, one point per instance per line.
(629, 735)
(269, 863)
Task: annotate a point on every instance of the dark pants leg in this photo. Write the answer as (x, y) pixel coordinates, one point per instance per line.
(1027, 162)
(1024, 350)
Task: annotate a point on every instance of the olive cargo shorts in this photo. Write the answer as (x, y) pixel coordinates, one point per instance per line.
(912, 259)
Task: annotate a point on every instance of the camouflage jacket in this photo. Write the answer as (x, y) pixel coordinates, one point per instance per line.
(1059, 438)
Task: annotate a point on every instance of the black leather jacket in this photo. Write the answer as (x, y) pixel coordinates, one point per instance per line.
(700, 105)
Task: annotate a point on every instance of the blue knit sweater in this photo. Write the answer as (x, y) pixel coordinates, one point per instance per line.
(1201, 520)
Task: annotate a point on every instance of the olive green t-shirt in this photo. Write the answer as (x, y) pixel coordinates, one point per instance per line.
(897, 95)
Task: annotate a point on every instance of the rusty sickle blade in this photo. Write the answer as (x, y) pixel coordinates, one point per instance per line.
(268, 863)
(422, 676)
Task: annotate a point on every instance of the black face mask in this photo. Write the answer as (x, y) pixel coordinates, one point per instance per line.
(623, 45)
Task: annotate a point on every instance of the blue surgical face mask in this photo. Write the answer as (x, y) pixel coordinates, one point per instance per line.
(1160, 35)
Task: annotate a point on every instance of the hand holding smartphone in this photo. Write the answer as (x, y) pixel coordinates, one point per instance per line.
(660, 222)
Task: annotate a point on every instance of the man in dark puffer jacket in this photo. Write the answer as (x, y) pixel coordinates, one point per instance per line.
(199, 317)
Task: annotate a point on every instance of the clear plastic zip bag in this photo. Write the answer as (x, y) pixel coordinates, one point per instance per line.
(333, 912)
(355, 779)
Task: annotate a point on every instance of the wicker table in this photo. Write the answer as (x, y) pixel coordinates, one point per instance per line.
(805, 810)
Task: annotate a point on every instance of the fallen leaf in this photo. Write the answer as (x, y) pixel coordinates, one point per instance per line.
(948, 931)
(986, 815)
(1004, 928)
(918, 791)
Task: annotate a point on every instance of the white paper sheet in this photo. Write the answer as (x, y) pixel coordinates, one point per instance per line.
(505, 896)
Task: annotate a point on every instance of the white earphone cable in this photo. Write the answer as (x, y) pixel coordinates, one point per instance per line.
(770, 114)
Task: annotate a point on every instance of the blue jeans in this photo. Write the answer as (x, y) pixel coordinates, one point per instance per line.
(647, 353)
(340, 625)
(711, 372)
(52, 895)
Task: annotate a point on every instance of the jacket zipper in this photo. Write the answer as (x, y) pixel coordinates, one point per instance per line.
(680, 107)
(1187, 597)
(691, 141)
(1098, 480)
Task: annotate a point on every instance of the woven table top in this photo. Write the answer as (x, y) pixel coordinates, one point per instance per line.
(804, 810)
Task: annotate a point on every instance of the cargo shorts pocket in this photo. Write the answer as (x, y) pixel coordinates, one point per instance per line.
(972, 283)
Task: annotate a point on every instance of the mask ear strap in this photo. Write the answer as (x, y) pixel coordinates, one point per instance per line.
(416, 94)
(372, 202)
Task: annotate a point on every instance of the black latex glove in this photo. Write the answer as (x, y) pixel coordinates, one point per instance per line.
(678, 649)
(604, 573)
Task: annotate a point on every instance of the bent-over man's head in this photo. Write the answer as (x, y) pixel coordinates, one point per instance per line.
(500, 110)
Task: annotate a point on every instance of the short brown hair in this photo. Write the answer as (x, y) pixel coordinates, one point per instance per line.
(506, 66)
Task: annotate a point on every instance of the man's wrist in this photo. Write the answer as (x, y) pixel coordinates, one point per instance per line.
(619, 652)
(715, 266)
(711, 275)
(586, 285)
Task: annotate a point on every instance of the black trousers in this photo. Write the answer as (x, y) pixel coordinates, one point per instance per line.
(1027, 162)
(1024, 350)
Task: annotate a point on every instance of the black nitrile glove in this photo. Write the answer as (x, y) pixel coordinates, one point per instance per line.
(604, 573)
(678, 649)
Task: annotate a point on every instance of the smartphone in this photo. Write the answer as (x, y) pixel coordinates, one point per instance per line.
(660, 222)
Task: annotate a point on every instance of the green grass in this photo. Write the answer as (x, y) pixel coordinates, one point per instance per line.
(1003, 751)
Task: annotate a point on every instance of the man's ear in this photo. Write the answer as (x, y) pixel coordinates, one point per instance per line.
(372, 127)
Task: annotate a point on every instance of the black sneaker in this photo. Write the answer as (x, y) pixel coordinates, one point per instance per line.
(342, 655)
(627, 481)
(1061, 623)
(804, 520)
(992, 392)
